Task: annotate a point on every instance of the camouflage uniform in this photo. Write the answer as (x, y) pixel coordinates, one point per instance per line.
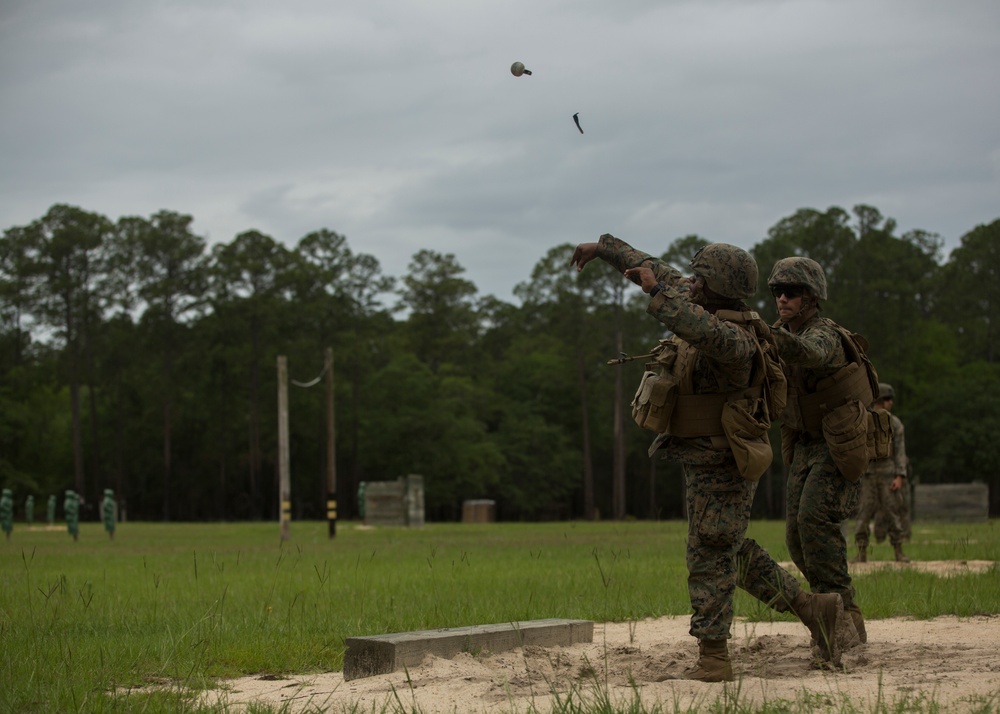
(719, 555)
(7, 512)
(109, 511)
(876, 495)
(818, 498)
(71, 507)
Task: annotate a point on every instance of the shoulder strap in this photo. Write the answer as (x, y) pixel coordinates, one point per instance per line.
(741, 317)
(767, 368)
(684, 367)
(856, 347)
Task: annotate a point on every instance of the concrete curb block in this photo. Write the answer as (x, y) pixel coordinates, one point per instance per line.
(382, 654)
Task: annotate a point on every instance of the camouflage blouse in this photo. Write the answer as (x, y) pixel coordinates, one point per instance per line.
(725, 349)
(896, 464)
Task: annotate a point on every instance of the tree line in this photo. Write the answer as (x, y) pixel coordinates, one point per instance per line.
(135, 356)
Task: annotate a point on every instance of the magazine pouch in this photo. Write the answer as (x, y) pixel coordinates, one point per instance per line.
(654, 401)
(879, 434)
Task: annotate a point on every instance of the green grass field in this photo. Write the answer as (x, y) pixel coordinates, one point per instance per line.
(85, 626)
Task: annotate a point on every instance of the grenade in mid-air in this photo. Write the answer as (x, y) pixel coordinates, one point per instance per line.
(517, 69)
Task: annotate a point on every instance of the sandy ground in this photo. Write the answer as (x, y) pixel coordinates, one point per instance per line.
(951, 661)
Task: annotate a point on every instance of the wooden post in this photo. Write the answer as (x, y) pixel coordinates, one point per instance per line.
(618, 508)
(331, 449)
(284, 489)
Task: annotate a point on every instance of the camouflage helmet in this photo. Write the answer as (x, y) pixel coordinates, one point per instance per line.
(885, 391)
(727, 270)
(799, 271)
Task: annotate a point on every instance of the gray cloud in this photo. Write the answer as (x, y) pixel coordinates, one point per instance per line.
(400, 126)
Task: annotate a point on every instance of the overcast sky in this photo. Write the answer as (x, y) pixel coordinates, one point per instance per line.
(399, 125)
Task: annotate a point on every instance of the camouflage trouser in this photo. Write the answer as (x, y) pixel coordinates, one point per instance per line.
(878, 499)
(882, 520)
(818, 500)
(719, 555)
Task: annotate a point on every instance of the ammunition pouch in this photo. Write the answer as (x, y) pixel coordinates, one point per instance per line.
(654, 401)
(845, 430)
(880, 441)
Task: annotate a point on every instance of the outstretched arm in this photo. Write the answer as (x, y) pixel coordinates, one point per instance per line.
(623, 257)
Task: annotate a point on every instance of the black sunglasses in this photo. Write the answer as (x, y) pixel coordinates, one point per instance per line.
(789, 291)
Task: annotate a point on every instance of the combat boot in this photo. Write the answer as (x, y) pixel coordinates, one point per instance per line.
(823, 614)
(859, 624)
(901, 557)
(862, 552)
(713, 662)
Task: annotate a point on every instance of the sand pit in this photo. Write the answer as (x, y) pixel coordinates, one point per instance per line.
(954, 662)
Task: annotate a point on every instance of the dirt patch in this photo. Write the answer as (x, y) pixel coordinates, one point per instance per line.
(941, 568)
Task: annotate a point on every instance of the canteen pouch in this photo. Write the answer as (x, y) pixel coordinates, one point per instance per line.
(845, 430)
(879, 434)
(747, 436)
(654, 401)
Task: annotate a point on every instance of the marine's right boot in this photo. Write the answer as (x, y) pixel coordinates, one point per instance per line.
(713, 662)
(823, 614)
(862, 552)
(901, 557)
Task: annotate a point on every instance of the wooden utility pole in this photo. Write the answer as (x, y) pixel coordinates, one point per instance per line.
(618, 449)
(331, 449)
(284, 487)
